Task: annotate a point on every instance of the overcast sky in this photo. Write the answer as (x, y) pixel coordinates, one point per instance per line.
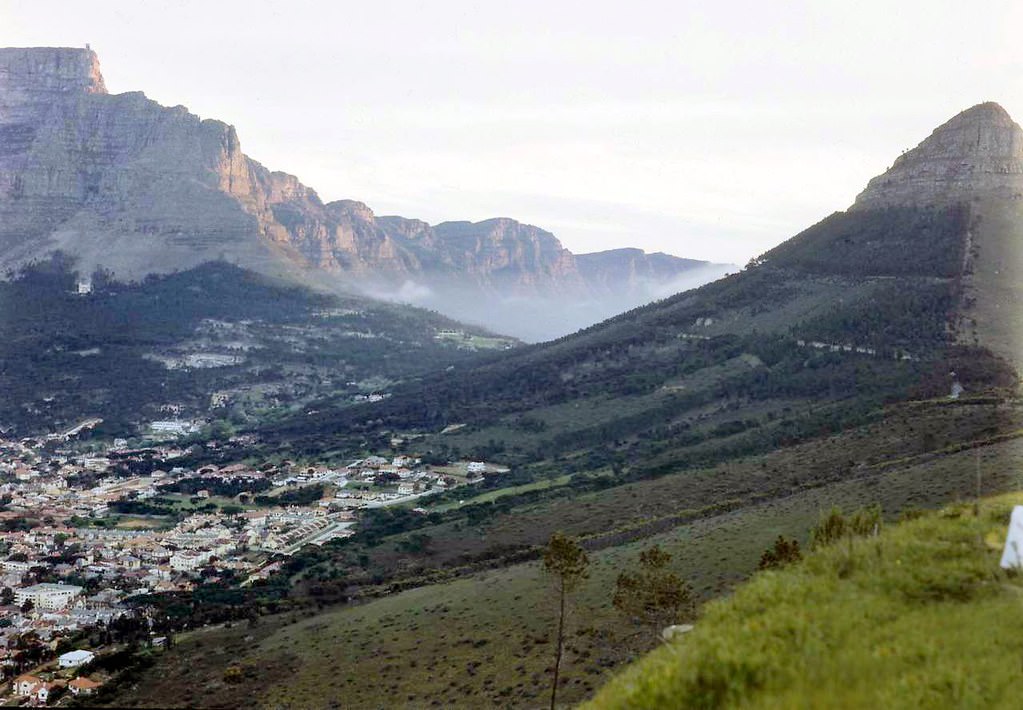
(711, 130)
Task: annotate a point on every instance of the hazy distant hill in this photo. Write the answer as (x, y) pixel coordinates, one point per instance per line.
(126, 184)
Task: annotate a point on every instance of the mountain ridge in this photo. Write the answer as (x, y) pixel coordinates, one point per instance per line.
(126, 184)
(904, 274)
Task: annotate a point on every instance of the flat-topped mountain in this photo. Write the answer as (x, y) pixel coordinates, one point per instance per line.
(123, 183)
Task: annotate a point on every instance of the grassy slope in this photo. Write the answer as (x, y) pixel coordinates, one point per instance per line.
(485, 640)
(907, 434)
(920, 617)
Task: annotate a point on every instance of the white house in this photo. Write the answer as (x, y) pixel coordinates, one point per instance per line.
(25, 685)
(73, 659)
(47, 597)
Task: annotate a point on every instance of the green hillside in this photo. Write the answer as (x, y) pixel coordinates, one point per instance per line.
(855, 311)
(920, 616)
(709, 423)
(830, 355)
(478, 636)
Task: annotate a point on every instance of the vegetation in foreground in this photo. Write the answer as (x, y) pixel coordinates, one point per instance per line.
(918, 616)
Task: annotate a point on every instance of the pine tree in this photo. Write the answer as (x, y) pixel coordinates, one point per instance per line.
(567, 564)
(783, 552)
(653, 595)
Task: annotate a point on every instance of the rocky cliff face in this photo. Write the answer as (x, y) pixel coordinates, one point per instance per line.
(609, 271)
(978, 152)
(517, 259)
(123, 183)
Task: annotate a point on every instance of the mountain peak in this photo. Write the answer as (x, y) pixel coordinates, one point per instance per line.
(986, 111)
(978, 151)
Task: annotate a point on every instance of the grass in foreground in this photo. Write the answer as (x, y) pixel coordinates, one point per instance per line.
(921, 616)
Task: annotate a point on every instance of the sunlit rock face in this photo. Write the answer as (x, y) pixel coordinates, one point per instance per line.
(122, 182)
(978, 152)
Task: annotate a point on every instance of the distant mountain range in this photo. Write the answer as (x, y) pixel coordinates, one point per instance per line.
(124, 184)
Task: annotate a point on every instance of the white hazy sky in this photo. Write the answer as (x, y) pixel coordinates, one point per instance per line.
(711, 130)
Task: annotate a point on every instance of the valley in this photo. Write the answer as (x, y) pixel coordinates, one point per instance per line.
(238, 462)
(214, 346)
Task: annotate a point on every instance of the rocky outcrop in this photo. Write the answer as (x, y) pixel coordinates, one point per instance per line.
(615, 269)
(978, 152)
(505, 255)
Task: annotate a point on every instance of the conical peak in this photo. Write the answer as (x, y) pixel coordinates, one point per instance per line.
(989, 111)
(985, 129)
(978, 151)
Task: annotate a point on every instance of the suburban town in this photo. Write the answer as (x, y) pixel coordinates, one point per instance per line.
(81, 533)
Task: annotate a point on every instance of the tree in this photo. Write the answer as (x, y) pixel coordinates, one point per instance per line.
(782, 553)
(7, 596)
(27, 606)
(653, 596)
(566, 562)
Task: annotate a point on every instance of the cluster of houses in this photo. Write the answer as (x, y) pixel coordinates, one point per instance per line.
(39, 691)
(77, 537)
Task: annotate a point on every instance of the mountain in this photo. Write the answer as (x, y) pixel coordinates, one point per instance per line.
(213, 343)
(125, 184)
(913, 277)
(885, 303)
(870, 359)
(978, 153)
(976, 158)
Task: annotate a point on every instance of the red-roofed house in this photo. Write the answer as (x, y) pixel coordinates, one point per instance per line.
(83, 686)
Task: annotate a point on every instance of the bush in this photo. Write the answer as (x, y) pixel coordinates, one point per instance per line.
(783, 552)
